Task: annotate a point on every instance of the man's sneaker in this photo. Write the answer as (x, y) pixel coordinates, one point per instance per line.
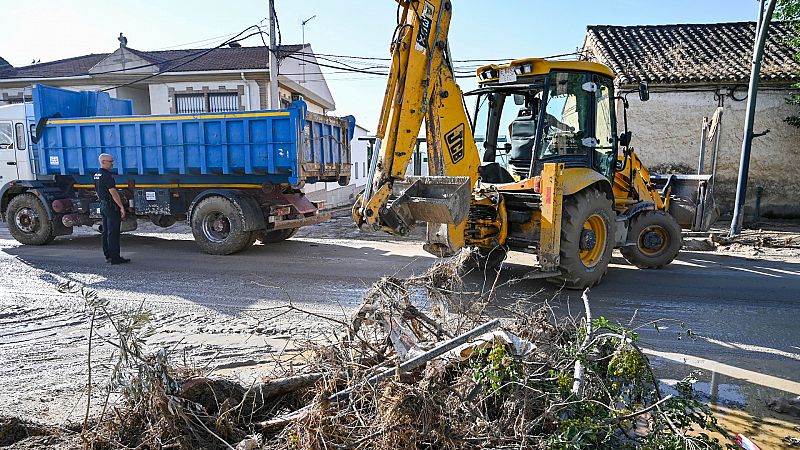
(119, 261)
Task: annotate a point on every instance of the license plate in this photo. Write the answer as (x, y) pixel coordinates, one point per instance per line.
(507, 75)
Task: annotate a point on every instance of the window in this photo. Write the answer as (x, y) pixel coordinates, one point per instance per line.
(6, 136)
(604, 154)
(223, 102)
(566, 116)
(196, 103)
(20, 128)
(356, 167)
(190, 103)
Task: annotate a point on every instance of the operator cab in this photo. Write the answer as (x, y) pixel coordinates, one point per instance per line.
(534, 111)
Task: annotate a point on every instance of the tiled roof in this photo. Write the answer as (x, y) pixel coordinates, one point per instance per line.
(225, 58)
(691, 53)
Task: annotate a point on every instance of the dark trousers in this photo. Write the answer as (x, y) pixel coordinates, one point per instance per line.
(111, 223)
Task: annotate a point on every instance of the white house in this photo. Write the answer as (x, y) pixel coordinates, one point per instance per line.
(692, 70)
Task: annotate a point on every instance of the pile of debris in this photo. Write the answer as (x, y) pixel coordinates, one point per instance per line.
(420, 365)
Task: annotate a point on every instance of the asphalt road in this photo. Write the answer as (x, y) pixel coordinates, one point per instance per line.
(744, 314)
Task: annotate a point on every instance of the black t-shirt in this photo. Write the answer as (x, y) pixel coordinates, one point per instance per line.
(103, 181)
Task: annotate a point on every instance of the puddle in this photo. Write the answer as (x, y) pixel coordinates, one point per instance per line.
(711, 392)
(740, 406)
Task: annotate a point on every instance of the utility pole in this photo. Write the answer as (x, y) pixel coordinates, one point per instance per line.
(762, 30)
(303, 62)
(274, 99)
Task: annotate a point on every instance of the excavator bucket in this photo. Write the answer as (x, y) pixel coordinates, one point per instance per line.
(691, 199)
(432, 199)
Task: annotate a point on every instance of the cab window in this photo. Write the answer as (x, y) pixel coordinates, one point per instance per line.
(6, 136)
(20, 136)
(604, 154)
(566, 117)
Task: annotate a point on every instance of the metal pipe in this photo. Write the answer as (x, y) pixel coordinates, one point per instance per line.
(246, 92)
(752, 93)
(425, 357)
(757, 212)
(715, 156)
(703, 134)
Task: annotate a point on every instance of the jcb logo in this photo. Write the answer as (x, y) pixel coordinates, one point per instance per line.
(454, 140)
(425, 23)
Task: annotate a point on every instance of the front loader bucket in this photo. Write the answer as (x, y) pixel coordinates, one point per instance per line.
(691, 199)
(432, 199)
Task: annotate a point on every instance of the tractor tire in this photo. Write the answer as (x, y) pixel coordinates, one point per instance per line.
(218, 227)
(28, 221)
(272, 237)
(587, 239)
(657, 238)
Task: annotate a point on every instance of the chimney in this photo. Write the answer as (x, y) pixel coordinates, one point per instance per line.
(123, 41)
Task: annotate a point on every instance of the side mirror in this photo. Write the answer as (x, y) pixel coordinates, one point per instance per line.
(507, 147)
(519, 99)
(644, 91)
(625, 138)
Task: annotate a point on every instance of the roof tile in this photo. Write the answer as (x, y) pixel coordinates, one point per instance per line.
(691, 53)
(240, 58)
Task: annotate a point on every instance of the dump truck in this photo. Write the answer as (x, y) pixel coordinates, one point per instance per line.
(235, 177)
(554, 177)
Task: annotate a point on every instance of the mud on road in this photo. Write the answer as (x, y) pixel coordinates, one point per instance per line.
(228, 313)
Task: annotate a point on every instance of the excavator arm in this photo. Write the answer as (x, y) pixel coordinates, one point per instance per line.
(421, 87)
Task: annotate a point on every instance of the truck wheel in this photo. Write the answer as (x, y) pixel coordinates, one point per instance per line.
(657, 238)
(218, 227)
(28, 221)
(271, 237)
(587, 239)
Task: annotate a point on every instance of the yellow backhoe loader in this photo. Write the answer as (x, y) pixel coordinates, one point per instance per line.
(553, 177)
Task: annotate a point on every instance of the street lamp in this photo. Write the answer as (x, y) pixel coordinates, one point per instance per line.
(303, 62)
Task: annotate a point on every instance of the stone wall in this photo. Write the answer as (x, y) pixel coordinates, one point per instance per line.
(667, 131)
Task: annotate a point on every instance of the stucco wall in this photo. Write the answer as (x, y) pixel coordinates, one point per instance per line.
(140, 97)
(667, 130)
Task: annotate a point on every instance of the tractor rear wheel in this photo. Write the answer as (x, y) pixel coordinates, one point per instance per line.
(587, 239)
(656, 239)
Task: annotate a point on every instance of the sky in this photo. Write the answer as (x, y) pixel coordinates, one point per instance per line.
(48, 30)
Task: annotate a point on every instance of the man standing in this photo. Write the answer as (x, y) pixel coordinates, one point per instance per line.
(111, 208)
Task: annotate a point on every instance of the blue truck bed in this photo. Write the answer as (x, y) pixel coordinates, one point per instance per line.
(283, 146)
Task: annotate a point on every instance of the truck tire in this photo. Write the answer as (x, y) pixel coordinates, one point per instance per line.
(271, 237)
(218, 227)
(657, 238)
(587, 239)
(28, 221)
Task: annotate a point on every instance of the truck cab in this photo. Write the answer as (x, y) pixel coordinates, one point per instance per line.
(15, 162)
(534, 112)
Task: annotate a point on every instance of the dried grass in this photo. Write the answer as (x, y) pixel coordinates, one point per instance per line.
(495, 398)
